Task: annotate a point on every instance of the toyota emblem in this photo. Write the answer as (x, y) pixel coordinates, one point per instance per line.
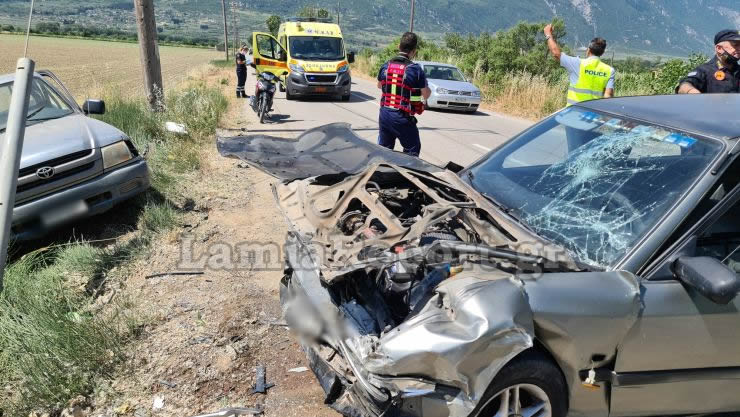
(45, 173)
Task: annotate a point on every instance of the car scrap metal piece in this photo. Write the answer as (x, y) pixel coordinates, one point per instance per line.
(234, 412)
(261, 386)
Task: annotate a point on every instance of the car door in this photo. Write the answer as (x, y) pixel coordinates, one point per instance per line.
(683, 354)
(268, 54)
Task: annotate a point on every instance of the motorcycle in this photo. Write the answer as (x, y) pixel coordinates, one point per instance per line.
(262, 99)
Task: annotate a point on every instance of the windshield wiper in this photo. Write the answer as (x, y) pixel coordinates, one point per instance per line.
(43, 119)
(35, 113)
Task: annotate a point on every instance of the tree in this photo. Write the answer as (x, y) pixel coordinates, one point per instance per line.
(273, 24)
(306, 11)
(309, 11)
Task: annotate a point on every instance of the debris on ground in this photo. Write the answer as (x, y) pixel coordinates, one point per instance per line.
(234, 412)
(158, 403)
(177, 128)
(261, 386)
(167, 274)
(298, 370)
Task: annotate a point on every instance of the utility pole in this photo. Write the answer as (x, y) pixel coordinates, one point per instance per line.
(411, 29)
(149, 52)
(339, 8)
(10, 154)
(226, 30)
(234, 27)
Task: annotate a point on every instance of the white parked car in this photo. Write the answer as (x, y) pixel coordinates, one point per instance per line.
(450, 88)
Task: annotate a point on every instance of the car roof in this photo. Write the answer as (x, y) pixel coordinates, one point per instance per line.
(6, 78)
(714, 115)
(442, 64)
(11, 77)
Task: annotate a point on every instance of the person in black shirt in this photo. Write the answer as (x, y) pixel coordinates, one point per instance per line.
(241, 72)
(721, 74)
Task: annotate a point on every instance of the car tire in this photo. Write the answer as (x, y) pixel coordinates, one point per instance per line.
(289, 96)
(347, 97)
(540, 384)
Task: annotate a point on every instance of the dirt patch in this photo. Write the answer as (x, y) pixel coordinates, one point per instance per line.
(206, 333)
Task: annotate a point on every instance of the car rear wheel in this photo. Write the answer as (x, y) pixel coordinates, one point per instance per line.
(529, 386)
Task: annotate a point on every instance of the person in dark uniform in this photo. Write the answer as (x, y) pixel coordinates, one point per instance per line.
(403, 84)
(241, 72)
(721, 74)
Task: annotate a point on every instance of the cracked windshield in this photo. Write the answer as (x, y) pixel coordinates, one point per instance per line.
(591, 182)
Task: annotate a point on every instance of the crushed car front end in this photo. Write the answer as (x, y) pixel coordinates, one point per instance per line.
(410, 291)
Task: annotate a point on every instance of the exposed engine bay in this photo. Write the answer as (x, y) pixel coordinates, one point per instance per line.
(389, 236)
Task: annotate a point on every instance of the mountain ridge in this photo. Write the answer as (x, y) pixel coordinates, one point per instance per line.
(670, 27)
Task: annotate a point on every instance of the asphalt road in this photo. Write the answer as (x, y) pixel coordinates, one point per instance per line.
(445, 135)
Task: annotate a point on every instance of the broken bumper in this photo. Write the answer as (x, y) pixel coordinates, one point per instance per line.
(360, 393)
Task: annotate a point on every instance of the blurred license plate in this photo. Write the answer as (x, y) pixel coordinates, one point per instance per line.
(64, 213)
(320, 89)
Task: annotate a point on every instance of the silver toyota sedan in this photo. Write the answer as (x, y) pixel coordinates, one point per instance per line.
(450, 88)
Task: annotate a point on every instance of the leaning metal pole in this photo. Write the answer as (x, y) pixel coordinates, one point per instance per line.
(10, 153)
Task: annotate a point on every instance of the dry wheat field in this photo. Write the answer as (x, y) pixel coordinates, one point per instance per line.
(87, 67)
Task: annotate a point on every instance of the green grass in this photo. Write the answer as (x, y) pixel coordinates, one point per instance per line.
(222, 63)
(54, 344)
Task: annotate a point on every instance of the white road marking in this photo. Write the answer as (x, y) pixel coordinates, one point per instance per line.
(482, 147)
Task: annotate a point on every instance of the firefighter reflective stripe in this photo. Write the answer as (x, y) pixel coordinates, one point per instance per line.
(592, 81)
(396, 94)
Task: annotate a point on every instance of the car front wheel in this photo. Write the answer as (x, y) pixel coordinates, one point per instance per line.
(529, 386)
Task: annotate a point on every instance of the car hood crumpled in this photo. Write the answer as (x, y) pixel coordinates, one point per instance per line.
(325, 150)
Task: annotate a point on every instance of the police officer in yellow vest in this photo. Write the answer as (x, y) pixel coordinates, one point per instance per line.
(589, 78)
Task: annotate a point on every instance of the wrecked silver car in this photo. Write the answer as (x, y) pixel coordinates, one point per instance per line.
(587, 267)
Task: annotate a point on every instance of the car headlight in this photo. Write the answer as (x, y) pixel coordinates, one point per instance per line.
(476, 93)
(441, 90)
(296, 68)
(343, 69)
(116, 154)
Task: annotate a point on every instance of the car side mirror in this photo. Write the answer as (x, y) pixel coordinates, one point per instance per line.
(285, 73)
(710, 277)
(351, 57)
(93, 107)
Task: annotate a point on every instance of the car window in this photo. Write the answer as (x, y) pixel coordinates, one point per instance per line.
(722, 239)
(268, 47)
(591, 182)
(5, 94)
(44, 103)
(439, 72)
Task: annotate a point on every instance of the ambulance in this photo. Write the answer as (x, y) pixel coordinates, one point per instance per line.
(312, 52)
